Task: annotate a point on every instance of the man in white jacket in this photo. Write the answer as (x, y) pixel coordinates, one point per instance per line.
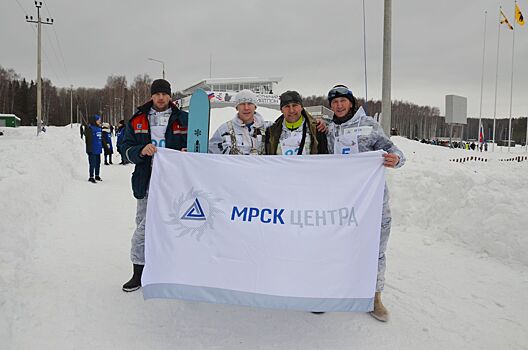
(244, 134)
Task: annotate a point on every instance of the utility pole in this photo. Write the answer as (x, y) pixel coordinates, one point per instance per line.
(71, 106)
(29, 19)
(386, 80)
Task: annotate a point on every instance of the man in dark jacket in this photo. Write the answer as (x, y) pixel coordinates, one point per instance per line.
(158, 123)
(295, 131)
(107, 144)
(120, 133)
(94, 147)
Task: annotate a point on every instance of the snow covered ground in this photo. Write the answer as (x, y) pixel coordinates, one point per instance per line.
(457, 264)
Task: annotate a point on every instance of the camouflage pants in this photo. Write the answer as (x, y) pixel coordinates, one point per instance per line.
(137, 252)
(386, 219)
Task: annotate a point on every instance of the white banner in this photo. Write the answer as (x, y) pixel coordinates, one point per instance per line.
(271, 231)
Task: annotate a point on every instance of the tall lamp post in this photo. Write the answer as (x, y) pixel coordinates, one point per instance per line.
(386, 79)
(163, 64)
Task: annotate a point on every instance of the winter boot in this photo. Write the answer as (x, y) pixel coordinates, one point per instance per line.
(135, 281)
(106, 163)
(92, 180)
(98, 178)
(380, 313)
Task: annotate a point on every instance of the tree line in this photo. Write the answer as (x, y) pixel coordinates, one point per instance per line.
(118, 100)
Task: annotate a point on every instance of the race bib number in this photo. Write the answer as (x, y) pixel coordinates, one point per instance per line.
(290, 146)
(346, 144)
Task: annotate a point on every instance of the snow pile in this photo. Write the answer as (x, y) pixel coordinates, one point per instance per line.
(456, 272)
(479, 204)
(33, 175)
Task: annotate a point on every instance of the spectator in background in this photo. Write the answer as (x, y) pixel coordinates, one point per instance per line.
(120, 133)
(94, 146)
(107, 144)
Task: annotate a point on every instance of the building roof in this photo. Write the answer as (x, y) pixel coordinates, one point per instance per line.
(230, 81)
(10, 116)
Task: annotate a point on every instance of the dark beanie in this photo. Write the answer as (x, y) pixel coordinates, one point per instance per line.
(290, 97)
(160, 85)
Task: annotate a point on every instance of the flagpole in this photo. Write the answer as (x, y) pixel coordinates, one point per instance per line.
(482, 79)
(526, 139)
(511, 85)
(365, 56)
(496, 81)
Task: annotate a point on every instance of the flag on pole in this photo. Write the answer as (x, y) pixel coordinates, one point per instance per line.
(481, 133)
(504, 20)
(518, 15)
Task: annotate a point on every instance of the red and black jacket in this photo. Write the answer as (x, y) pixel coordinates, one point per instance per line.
(137, 136)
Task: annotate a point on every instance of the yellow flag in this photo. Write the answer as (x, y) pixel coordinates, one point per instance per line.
(504, 20)
(518, 15)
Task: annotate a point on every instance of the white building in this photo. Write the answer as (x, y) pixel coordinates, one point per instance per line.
(222, 91)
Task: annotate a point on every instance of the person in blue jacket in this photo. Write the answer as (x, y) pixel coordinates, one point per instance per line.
(94, 146)
(120, 133)
(107, 144)
(158, 123)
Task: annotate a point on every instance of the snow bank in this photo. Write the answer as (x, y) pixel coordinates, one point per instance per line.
(33, 175)
(481, 205)
(54, 257)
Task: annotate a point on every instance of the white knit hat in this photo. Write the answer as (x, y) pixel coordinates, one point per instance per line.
(245, 96)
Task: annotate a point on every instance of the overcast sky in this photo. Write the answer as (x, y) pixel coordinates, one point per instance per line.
(312, 45)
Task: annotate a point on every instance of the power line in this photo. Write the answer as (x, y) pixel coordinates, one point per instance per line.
(56, 56)
(23, 9)
(58, 45)
(47, 59)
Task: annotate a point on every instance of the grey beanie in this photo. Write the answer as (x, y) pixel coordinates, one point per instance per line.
(245, 96)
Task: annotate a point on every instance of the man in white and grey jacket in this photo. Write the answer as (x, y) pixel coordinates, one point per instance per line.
(352, 131)
(244, 134)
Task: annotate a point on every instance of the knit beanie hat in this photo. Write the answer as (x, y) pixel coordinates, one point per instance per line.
(160, 85)
(341, 91)
(290, 97)
(245, 96)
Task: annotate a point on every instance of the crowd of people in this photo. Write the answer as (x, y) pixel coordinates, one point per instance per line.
(482, 146)
(98, 139)
(160, 123)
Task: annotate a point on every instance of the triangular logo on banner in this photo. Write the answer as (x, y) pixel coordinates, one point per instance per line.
(195, 212)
